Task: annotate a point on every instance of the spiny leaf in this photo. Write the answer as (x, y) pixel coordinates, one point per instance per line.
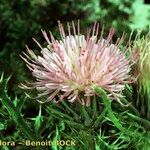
(99, 118)
(2, 126)
(107, 103)
(85, 115)
(7, 102)
(71, 110)
(20, 103)
(54, 111)
(94, 107)
(38, 122)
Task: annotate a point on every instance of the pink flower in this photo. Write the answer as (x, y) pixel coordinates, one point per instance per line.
(69, 67)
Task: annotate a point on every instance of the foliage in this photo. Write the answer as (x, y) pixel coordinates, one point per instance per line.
(103, 125)
(23, 19)
(98, 125)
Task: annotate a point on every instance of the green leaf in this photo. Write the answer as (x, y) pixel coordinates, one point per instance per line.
(2, 126)
(13, 112)
(20, 103)
(86, 116)
(71, 110)
(107, 103)
(99, 118)
(75, 125)
(55, 139)
(55, 112)
(38, 122)
(94, 107)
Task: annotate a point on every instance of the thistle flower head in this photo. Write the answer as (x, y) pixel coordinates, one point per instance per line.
(142, 45)
(69, 67)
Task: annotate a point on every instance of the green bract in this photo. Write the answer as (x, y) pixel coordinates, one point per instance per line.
(143, 64)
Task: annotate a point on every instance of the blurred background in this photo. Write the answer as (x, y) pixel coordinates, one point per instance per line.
(20, 20)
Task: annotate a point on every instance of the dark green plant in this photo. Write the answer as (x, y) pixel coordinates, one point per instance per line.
(98, 125)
